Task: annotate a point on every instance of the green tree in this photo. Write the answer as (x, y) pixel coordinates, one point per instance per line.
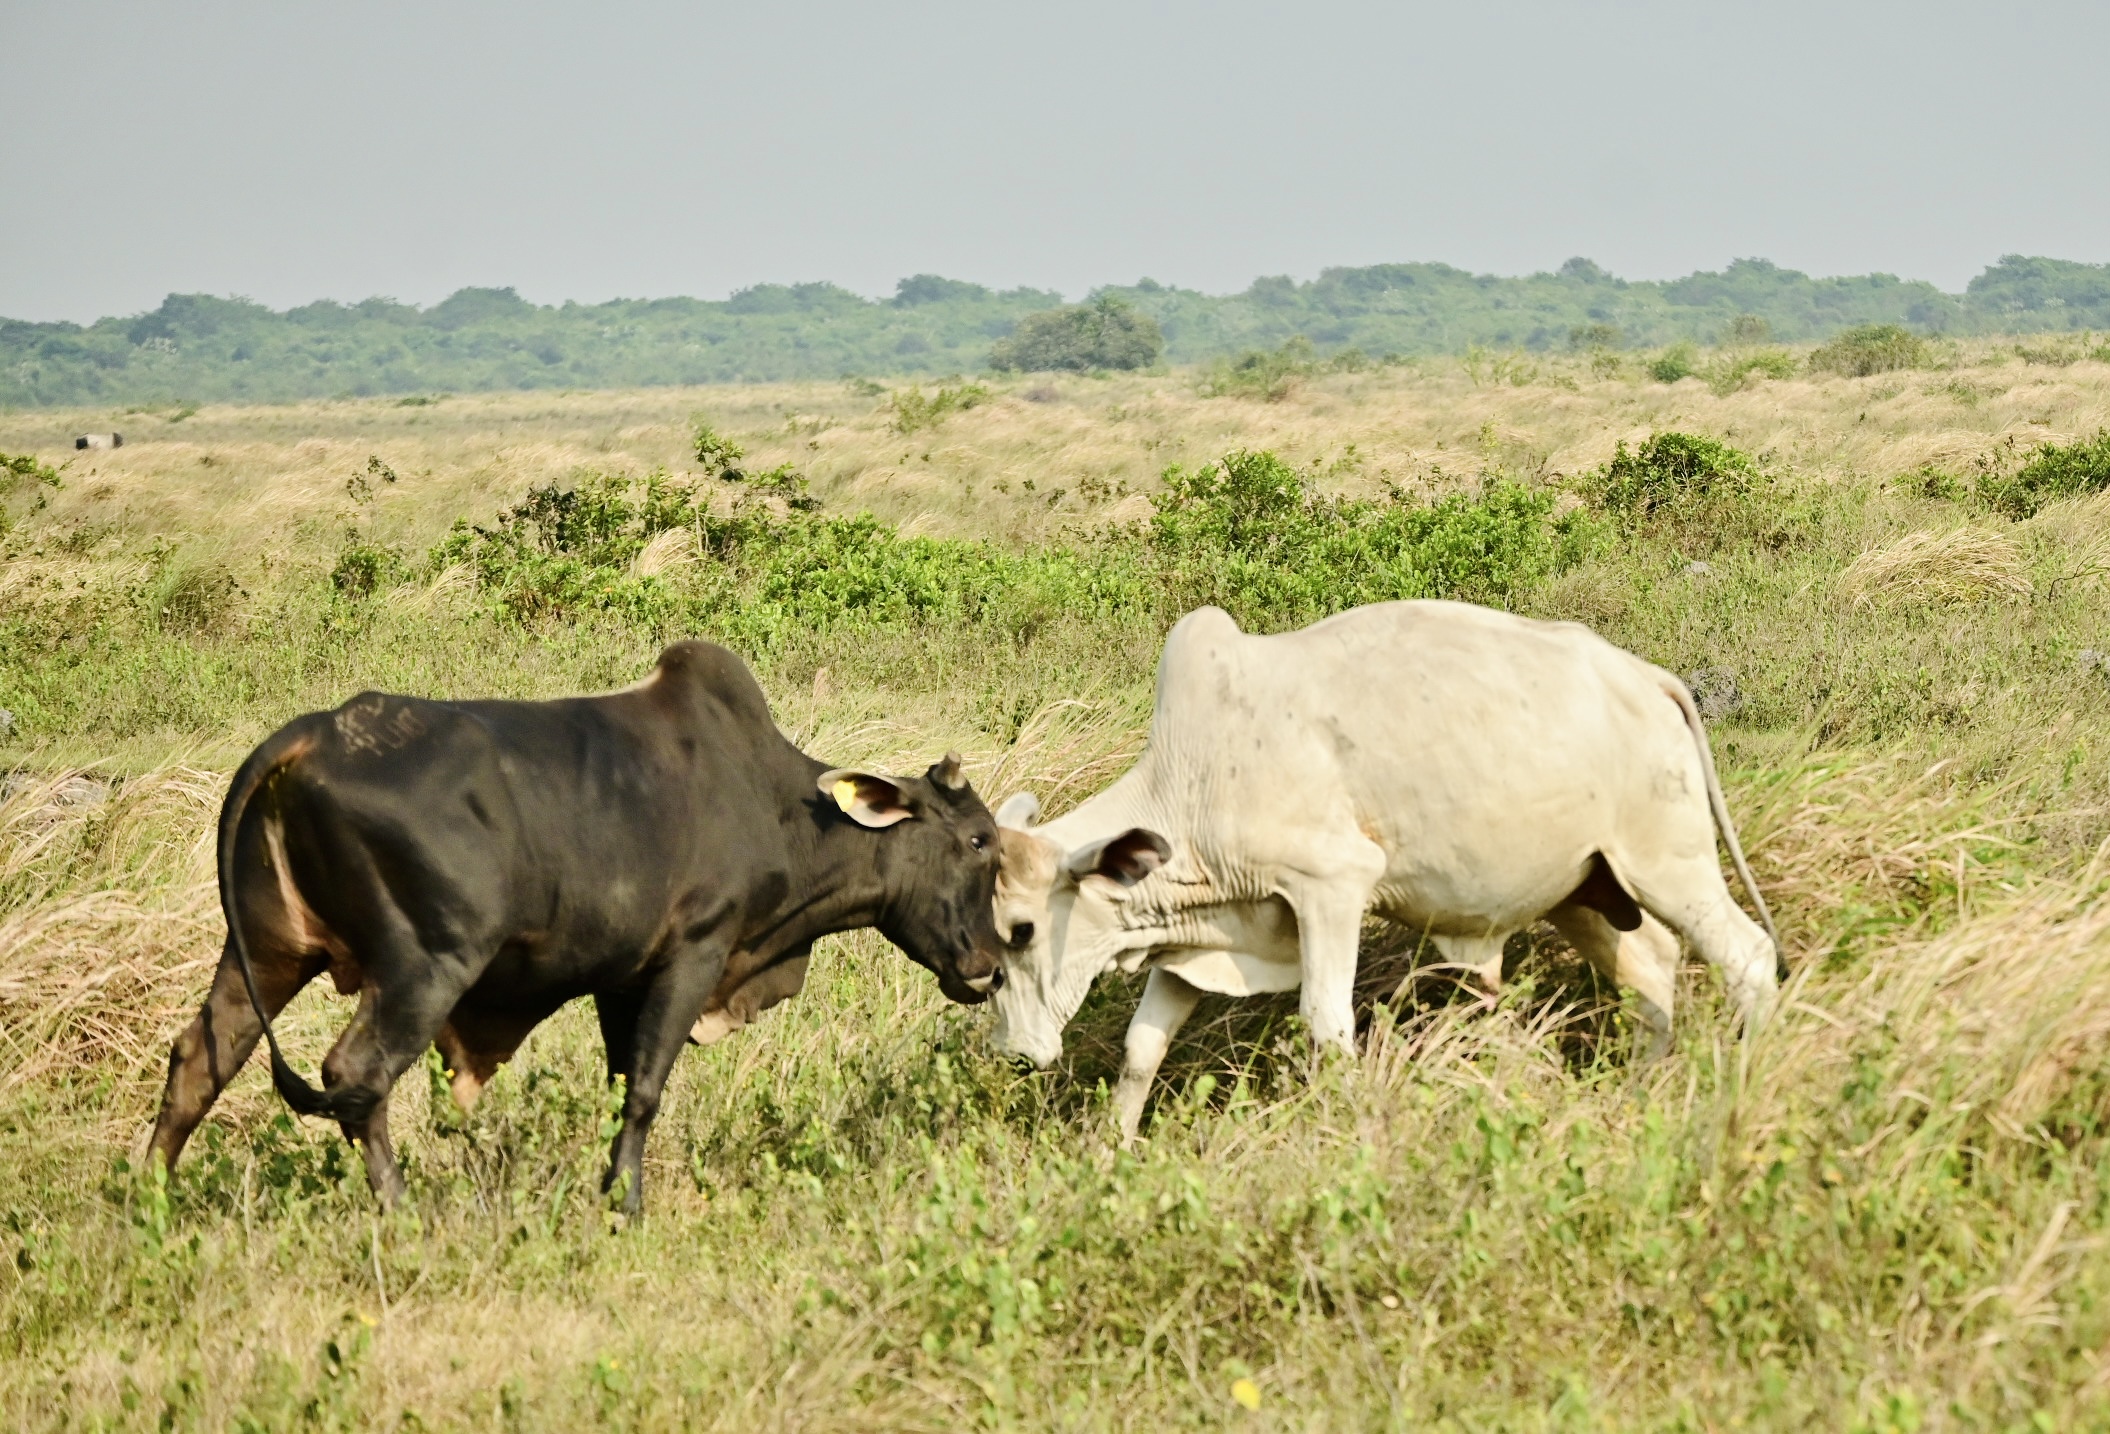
(1106, 333)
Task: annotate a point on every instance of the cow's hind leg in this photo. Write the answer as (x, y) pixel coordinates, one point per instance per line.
(400, 1014)
(1167, 1003)
(645, 1031)
(215, 1044)
(1644, 961)
(1690, 897)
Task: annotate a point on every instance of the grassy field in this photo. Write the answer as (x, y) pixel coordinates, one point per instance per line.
(1887, 1212)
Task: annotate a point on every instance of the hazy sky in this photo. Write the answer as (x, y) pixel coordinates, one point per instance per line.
(289, 152)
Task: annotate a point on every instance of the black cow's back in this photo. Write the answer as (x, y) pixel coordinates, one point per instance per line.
(560, 841)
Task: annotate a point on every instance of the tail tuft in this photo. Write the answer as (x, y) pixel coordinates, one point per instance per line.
(296, 1092)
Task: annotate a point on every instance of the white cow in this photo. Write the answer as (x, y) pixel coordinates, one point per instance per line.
(1449, 767)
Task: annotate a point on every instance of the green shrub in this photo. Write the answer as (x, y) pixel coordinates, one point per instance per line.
(2053, 471)
(912, 410)
(17, 469)
(1106, 333)
(364, 568)
(1672, 364)
(1871, 348)
(1930, 481)
(1732, 371)
(1673, 475)
(2055, 352)
(1484, 365)
(1583, 338)
(360, 486)
(1268, 374)
(1272, 374)
(1246, 534)
(786, 482)
(1748, 329)
(561, 551)
(715, 453)
(24, 468)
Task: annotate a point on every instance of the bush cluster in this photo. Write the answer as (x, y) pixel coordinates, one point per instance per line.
(1246, 533)
(24, 468)
(1731, 371)
(1871, 348)
(913, 409)
(2052, 472)
(562, 551)
(1106, 333)
(1673, 475)
(1273, 374)
(1676, 362)
(17, 470)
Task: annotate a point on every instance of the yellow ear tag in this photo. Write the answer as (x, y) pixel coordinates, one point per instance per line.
(845, 793)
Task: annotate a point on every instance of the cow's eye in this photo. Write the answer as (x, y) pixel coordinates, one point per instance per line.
(979, 842)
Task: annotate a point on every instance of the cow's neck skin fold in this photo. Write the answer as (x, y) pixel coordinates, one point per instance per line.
(1133, 801)
(843, 887)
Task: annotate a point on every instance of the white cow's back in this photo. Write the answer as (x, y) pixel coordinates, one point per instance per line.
(1488, 756)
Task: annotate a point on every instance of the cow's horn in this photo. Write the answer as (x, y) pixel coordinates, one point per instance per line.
(946, 773)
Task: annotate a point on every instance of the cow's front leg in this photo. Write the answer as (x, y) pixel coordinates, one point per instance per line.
(379, 1152)
(658, 1020)
(1167, 1003)
(1329, 938)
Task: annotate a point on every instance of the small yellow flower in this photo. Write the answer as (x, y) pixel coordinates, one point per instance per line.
(1246, 1393)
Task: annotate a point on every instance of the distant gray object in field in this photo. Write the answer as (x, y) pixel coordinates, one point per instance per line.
(7, 722)
(99, 440)
(1715, 693)
(2087, 659)
(73, 791)
(1698, 570)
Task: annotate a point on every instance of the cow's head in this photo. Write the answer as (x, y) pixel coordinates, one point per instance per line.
(937, 868)
(1059, 911)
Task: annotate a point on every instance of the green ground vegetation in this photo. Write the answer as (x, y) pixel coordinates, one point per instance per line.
(1887, 1212)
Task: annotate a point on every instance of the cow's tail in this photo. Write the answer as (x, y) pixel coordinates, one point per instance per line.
(1680, 694)
(279, 750)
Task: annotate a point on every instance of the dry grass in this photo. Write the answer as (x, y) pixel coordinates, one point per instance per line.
(1098, 442)
(1888, 1212)
(1962, 565)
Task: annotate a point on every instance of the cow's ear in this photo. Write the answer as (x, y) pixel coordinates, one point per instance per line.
(1019, 812)
(1127, 858)
(869, 800)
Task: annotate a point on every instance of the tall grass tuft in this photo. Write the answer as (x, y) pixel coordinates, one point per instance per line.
(1962, 565)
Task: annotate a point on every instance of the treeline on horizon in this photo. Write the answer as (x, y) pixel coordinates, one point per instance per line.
(198, 348)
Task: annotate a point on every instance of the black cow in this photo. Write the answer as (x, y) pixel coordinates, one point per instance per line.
(468, 867)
